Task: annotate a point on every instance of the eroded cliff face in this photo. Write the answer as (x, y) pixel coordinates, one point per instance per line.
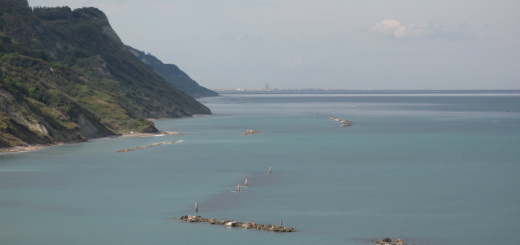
(32, 111)
(17, 112)
(26, 124)
(16, 128)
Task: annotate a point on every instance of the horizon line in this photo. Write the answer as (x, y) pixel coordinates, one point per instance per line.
(340, 89)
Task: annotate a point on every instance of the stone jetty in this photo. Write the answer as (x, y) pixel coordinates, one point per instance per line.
(233, 223)
(250, 131)
(147, 146)
(344, 123)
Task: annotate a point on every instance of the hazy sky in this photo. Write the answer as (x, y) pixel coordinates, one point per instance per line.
(344, 44)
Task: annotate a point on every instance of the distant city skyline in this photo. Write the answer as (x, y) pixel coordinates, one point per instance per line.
(337, 44)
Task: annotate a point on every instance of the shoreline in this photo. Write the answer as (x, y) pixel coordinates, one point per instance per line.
(15, 149)
(29, 148)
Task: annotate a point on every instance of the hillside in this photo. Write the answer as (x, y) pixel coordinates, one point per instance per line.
(66, 76)
(172, 74)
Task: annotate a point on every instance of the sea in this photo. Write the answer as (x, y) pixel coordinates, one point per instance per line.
(429, 167)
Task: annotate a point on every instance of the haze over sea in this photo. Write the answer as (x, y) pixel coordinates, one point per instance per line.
(428, 167)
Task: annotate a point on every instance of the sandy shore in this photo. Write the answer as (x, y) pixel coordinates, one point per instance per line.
(22, 148)
(37, 147)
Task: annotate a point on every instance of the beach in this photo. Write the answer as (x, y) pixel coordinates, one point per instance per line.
(22, 148)
(125, 135)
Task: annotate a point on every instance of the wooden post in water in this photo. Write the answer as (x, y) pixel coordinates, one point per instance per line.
(196, 208)
(238, 188)
(269, 169)
(246, 182)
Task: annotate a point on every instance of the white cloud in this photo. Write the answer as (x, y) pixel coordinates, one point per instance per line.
(393, 28)
(386, 27)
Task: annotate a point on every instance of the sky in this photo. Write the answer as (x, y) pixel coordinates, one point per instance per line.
(334, 44)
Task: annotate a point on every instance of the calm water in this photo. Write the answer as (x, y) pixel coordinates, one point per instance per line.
(430, 168)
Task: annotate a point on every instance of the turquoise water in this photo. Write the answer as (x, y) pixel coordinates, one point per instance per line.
(430, 168)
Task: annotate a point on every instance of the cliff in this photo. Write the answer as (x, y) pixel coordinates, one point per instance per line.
(172, 74)
(66, 76)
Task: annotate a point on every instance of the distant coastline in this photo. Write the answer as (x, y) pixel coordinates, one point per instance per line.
(349, 91)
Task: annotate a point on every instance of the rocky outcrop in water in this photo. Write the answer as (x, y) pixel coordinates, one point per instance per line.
(344, 123)
(388, 241)
(233, 223)
(250, 131)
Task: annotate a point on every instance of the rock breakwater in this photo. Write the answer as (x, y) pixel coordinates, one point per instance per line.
(388, 241)
(147, 146)
(141, 134)
(233, 223)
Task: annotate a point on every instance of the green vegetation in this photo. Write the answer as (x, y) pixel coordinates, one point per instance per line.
(65, 76)
(172, 74)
